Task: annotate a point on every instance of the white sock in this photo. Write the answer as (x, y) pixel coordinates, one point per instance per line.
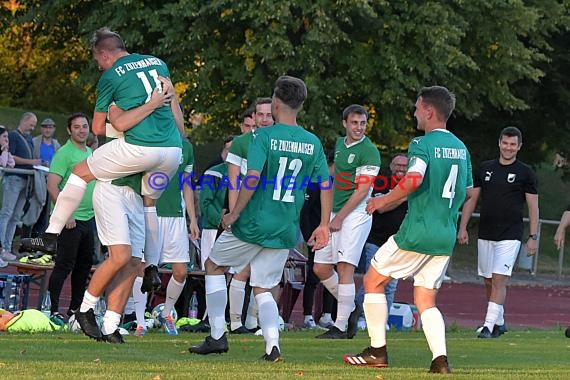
(376, 314)
(236, 297)
(327, 316)
(140, 301)
(251, 316)
(308, 318)
(493, 310)
(434, 330)
(216, 301)
(67, 202)
(331, 284)
(501, 317)
(89, 302)
(151, 249)
(346, 293)
(173, 291)
(111, 322)
(268, 320)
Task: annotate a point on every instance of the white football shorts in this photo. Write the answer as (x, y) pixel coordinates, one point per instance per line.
(118, 159)
(173, 240)
(497, 257)
(427, 270)
(346, 244)
(266, 263)
(119, 216)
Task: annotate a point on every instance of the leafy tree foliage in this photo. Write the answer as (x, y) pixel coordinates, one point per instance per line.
(42, 58)
(503, 59)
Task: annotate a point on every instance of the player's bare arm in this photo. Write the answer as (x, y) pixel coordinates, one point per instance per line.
(188, 194)
(363, 183)
(174, 104)
(468, 208)
(392, 206)
(405, 187)
(251, 180)
(560, 234)
(533, 215)
(125, 120)
(233, 175)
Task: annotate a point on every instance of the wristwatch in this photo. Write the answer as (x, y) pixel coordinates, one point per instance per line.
(533, 236)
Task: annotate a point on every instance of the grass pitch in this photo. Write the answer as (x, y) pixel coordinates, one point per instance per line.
(523, 354)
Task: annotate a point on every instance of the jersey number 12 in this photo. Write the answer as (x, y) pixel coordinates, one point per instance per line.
(295, 165)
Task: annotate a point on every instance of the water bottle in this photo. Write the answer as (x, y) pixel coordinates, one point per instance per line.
(46, 304)
(2, 295)
(11, 300)
(193, 307)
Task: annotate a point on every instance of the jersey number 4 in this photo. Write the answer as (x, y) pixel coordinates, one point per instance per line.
(449, 186)
(295, 165)
(146, 83)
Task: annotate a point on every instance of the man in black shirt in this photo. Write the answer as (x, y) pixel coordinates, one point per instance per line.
(504, 184)
(384, 225)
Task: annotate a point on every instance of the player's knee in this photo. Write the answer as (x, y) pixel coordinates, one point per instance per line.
(322, 271)
(82, 171)
(179, 272)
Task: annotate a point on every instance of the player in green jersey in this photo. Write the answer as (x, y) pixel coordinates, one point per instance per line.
(237, 167)
(151, 143)
(263, 225)
(356, 163)
(436, 184)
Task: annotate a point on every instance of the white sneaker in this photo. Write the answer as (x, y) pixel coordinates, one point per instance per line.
(9, 256)
(326, 322)
(446, 278)
(309, 324)
(3, 264)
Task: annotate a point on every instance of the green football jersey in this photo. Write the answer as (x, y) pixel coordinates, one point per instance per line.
(170, 203)
(62, 164)
(129, 83)
(430, 226)
(213, 192)
(350, 161)
(238, 151)
(289, 158)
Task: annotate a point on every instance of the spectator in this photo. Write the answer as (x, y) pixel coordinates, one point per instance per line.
(15, 184)
(6, 161)
(45, 145)
(6, 158)
(75, 243)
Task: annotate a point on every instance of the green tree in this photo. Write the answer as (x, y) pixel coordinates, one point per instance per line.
(42, 57)
(503, 59)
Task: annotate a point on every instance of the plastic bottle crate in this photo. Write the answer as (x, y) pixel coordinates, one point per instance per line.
(14, 284)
